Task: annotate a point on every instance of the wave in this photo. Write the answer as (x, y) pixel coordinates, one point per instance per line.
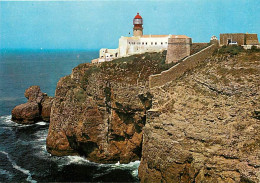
(7, 120)
(6, 173)
(132, 166)
(82, 160)
(41, 135)
(42, 123)
(15, 166)
(38, 142)
(77, 160)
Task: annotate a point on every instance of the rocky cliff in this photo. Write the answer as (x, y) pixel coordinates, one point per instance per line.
(99, 111)
(204, 126)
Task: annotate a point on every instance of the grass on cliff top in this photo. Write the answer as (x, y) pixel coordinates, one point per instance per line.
(134, 69)
(234, 50)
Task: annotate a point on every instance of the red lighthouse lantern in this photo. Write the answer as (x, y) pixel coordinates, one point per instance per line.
(138, 25)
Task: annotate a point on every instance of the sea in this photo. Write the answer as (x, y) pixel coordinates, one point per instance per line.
(23, 155)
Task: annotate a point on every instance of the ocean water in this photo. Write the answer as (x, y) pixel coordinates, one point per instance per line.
(23, 155)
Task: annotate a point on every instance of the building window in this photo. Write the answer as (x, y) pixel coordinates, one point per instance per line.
(146, 43)
(142, 43)
(151, 43)
(129, 43)
(161, 43)
(155, 43)
(165, 42)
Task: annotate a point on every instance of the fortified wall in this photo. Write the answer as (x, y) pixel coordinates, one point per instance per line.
(180, 68)
(196, 47)
(178, 48)
(251, 39)
(238, 38)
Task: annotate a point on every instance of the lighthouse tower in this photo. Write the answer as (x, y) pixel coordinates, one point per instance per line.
(138, 25)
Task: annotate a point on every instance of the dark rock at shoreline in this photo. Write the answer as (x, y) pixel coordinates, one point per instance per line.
(27, 113)
(36, 109)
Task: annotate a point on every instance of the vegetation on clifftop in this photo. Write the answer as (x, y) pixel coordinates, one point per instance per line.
(133, 70)
(234, 50)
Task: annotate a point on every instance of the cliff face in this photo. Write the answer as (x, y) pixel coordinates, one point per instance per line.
(99, 111)
(204, 127)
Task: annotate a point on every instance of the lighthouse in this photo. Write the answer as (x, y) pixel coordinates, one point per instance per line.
(139, 43)
(138, 25)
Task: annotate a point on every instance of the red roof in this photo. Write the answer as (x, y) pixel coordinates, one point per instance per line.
(138, 16)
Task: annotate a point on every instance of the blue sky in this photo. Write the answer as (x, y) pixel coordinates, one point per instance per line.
(96, 24)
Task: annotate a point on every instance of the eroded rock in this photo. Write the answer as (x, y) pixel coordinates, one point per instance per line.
(37, 108)
(27, 113)
(104, 127)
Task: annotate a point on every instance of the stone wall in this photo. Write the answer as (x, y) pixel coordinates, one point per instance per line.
(182, 67)
(196, 47)
(252, 39)
(240, 38)
(234, 37)
(178, 48)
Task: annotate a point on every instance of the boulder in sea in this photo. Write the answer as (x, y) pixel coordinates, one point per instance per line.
(36, 109)
(27, 113)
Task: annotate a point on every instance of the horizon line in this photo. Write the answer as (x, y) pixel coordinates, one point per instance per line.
(49, 49)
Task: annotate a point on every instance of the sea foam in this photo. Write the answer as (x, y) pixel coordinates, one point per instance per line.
(15, 166)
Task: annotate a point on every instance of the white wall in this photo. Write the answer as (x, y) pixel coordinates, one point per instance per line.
(108, 54)
(135, 45)
(122, 46)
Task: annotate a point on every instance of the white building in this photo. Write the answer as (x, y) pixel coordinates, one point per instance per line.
(136, 44)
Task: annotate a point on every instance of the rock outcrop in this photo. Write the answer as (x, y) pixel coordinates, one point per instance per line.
(204, 127)
(99, 110)
(37, 108)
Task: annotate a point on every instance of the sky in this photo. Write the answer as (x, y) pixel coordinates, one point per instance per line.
(99, 24)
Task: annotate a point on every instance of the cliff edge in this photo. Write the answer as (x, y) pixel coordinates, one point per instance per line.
(204, 126)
